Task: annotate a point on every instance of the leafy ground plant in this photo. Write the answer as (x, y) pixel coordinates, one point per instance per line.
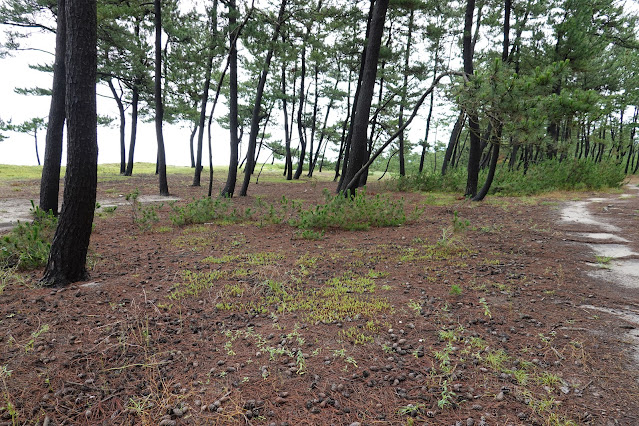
(352, 213)
(27, 245)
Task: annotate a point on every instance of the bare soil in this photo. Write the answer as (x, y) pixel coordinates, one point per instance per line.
(500, 317)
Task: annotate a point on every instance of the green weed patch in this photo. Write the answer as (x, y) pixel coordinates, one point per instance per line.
(27, 246)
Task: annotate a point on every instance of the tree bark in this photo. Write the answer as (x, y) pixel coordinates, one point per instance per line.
(287, 139)
(67, 259)
(344, 128)
(349, 135)
(205, 97)
(300, 123)
(229, 187)
(430, 114)
(35, 137)
(50, 180)
(255, 116)
(411, 20)
(358, 152)
(322, 134)
(191, 147)
(474, 155)
(159, 105)
(453, 141)
(118, 101)
(135, 100)
(313, 123)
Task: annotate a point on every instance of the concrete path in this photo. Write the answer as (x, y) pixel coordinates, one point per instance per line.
(19, 209)
(609, 229)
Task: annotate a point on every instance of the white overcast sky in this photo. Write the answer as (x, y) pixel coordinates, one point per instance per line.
(19, 148)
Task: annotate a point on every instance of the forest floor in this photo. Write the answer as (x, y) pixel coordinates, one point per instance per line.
(512, 311)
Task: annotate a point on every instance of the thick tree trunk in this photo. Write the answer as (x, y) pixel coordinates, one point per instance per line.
(159, 105)
(67, 258)
(118, 101)
(496, 138)
(358, 152)
(474, 155)
(50, 180)
(229, 187)
(349, 135)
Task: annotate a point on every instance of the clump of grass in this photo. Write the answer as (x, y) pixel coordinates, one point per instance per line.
(193, 283)
(207, 210)
(355, 336)
(27, 246)
(357, 212)
(453, 181)
(546, 176)
(555, 175)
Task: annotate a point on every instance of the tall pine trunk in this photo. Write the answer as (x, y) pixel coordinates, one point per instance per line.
(358, 150)
(360, 77)
(287, 138)
(311, 148)
(159, 105)
(496, 139)
(229, 187)
(135, 100)
(474, 155)
(300, 122)
(50, 180)
(118, 101)
(255, 116)
(411, 20)
(67, 258)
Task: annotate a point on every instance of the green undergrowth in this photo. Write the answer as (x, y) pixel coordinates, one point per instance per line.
(533, 383)
(552, 175)
(358, 212)
(205, 210)
(28, 244)
(346, 296)
(254, 259)
(546, 176)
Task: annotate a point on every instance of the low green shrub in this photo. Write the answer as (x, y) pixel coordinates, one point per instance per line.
(352, 213)
(206, 210)
(453, 181)
(553, 175)
(28, 244)
(547, 176)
